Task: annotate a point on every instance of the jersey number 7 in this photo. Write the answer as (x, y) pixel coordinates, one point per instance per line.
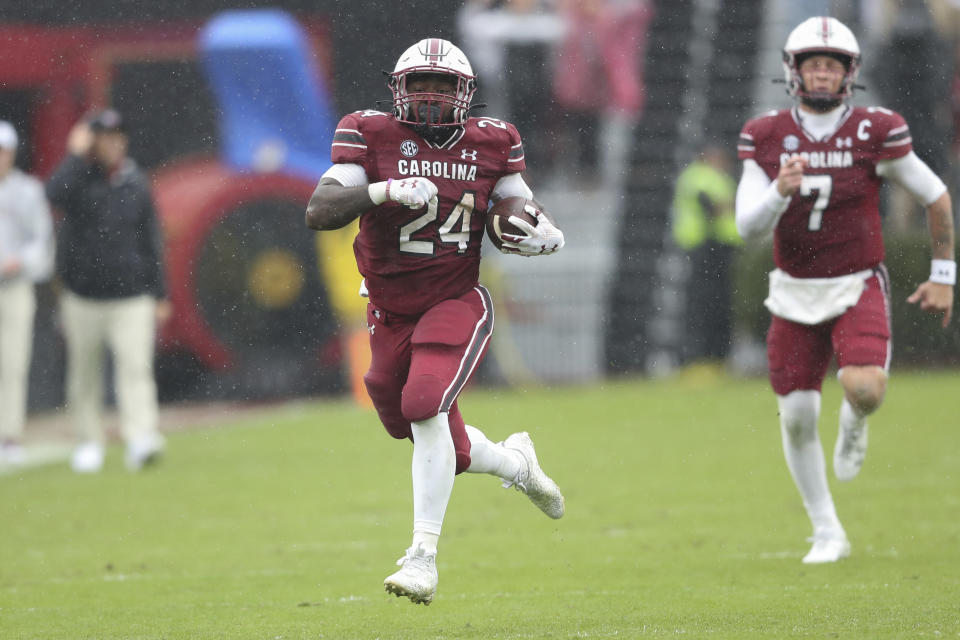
(822, 185)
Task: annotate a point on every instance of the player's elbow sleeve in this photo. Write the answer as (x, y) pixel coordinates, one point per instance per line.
(942, 190)
(747, 228)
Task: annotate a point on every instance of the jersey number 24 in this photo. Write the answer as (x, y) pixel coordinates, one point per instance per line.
(461, 214)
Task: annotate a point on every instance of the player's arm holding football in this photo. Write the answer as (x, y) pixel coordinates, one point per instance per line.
(541, 239)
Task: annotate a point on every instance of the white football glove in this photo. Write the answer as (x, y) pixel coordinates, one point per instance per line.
(410, 192)
(540, 240)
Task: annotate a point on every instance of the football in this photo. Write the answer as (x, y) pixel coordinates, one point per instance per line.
(498, 218)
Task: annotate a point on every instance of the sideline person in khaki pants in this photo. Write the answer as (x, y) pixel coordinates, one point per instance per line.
(26, 257)
(111, 264)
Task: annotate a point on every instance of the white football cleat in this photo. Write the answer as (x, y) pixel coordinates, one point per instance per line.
(87, 458)
(849, 452)
(828, 546)
(143, 451)
(531, 480)
(417, 578)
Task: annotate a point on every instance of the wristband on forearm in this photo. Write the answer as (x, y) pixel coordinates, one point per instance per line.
(943, 272)
(379, 192)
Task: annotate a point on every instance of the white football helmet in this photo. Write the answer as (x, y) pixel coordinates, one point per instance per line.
(820, 35)
(432, 56)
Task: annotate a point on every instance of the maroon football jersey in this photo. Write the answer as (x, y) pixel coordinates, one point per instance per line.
(414, 258)
(832, 226)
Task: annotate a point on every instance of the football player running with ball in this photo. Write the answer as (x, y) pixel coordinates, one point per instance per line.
(421, 179)
(812, 176)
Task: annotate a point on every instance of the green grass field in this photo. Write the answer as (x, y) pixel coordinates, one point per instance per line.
(681, 520)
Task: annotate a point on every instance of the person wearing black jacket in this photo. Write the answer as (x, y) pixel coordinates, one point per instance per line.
(110, 260)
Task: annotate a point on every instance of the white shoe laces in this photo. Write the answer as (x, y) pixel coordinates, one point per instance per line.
(520, 481)
(417, 556)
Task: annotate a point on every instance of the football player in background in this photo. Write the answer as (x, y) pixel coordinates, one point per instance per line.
(812, 175)
(421, 178)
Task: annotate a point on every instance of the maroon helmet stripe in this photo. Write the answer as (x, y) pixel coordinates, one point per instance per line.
(433, 50)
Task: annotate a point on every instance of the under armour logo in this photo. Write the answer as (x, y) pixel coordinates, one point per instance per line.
(370, 328)
(844, 142)
(468, 154)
